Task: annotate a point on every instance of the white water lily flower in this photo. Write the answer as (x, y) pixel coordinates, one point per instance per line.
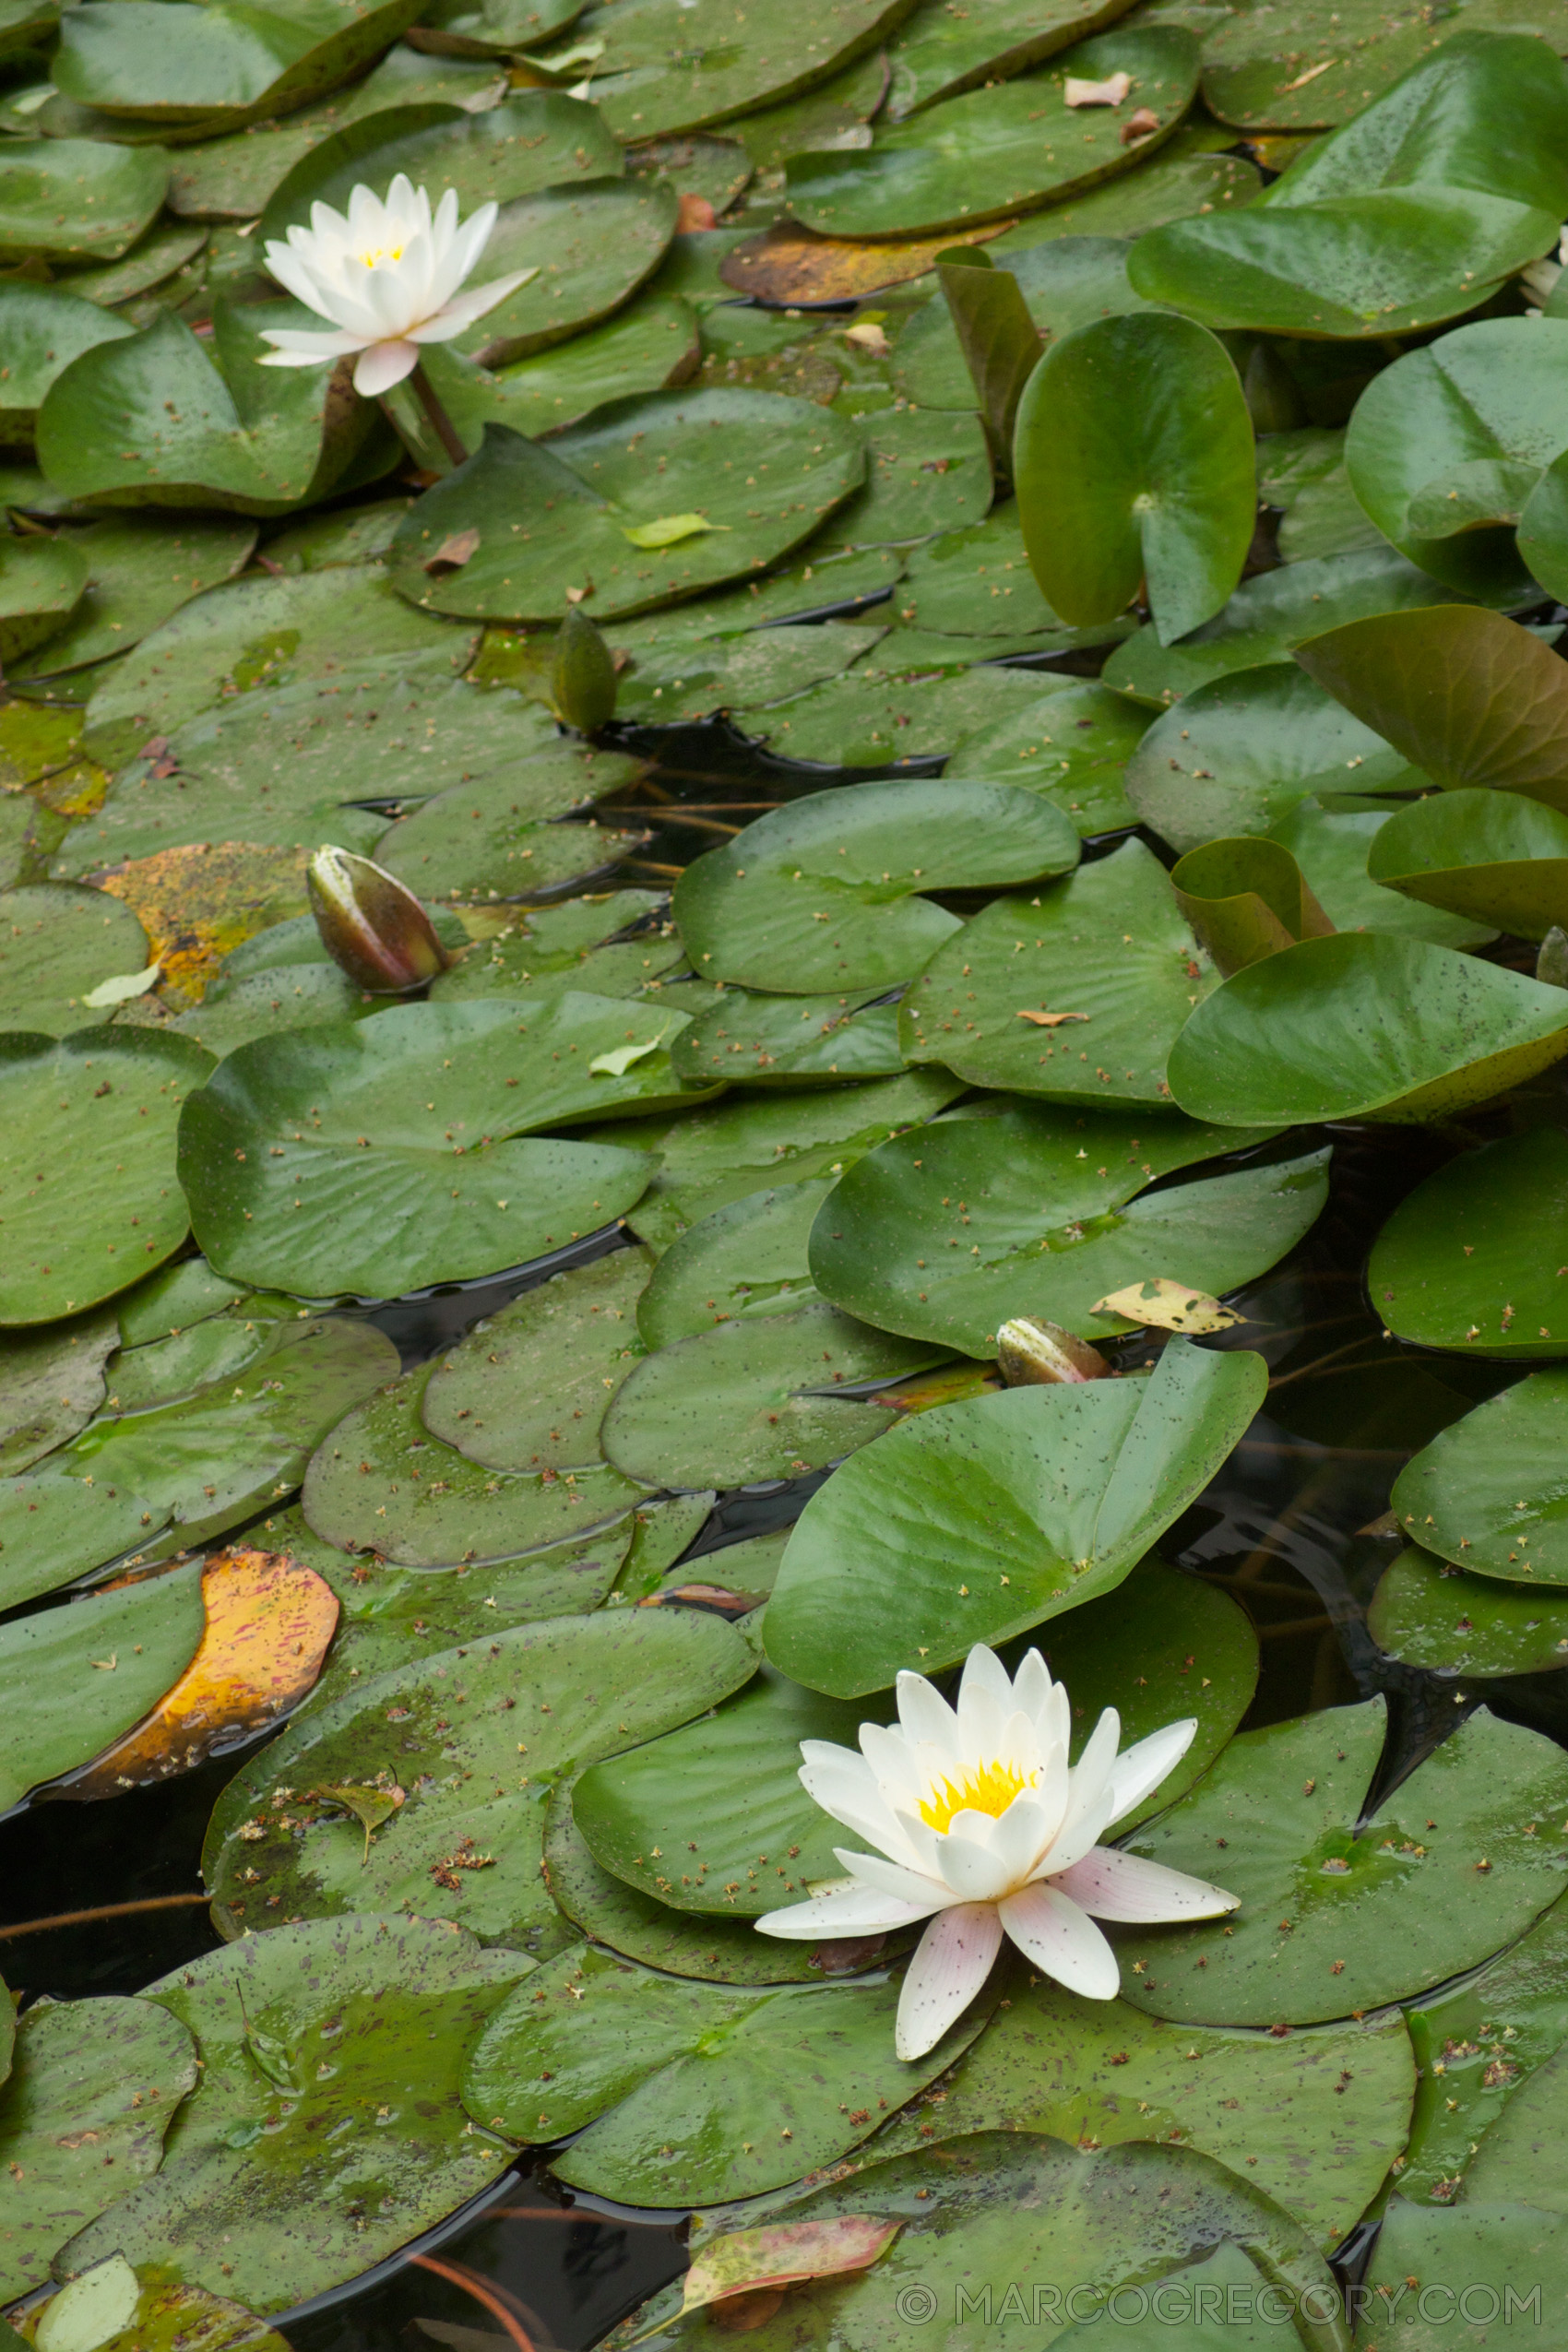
(388, 279)
(982, 1822)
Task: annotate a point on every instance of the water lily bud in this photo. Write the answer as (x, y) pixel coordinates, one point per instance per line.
(1551, 964)
(1030, 1351)
(584, 680)
(371, 925)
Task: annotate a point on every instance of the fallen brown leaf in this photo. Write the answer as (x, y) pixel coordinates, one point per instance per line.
(1049, 1020)
(788, 264)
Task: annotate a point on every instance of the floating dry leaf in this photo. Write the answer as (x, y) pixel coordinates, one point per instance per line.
(369, 1804)
(268, 1622)
(1163, 1305)
(750, 2262)
(1109, 92)
(790, 264)
(1048, 1021)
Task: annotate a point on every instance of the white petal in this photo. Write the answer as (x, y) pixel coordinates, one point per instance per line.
(1123, 1886)
(925, 1714)
(296, 278)
(1088, 1795)
(1032, 1687)
(968, 1862)
(853, 1911)
(1138, 1773)
(306, 347)
(952, 1962)
(1049, 1929)
(1023, 1838)
(384, 366)
(463, 309)
(890, 1877)
(897, 1766)
(984, 1679)
(295, 358)
(859, 1805)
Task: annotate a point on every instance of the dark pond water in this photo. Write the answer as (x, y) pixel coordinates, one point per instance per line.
(1287, 1528)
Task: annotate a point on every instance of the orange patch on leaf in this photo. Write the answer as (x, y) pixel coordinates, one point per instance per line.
(268, 1622)
(200, 901)
(790, 264)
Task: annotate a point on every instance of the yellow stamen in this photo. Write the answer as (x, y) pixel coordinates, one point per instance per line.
(986, 1789)
(382, 253)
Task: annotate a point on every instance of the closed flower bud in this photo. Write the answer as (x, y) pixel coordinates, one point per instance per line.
(1030, 1351)
(371, 925)
(583, 682)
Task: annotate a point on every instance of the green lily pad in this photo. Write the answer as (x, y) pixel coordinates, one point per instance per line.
(218, 1347)
(122, 1094)
(674, 674)
(643, 347)
(257, 636)
(634, 461)
(726, 1791)
(1364, 1025)
(24, 24)
(742, 921)
(1401, 1903)
(745, 1259)
(516, 1714)
(680, 1943)
(1390, 261)
(1080, 1482)
(1400, 220)
(1172, 184)
(57, 945)
(527, 1389)
(1442, 464)
(1333, 848)
(273, 767)
(1072, 748)
(753, 1400)
(1237, 756)
(498, 838)
(44, 327)
(1469, 697)
(1486, 1492)
(1496, 857)
(543, 951)
(991, 152)
(1429, 1613)
(945, 1233)
(1313, 65)
(41, 582)
(643, 2063)
(1269, 615)
(77, 1678)
(666, 70)
(140, 573)
(331, 2053)
(1117, 495)
(201, 1462)
(835, 110)
(154, 421)
(903, 709)
(533, 140)
(719, 1154)
(1470, 1258)
(234, 1012)
(1313, 2121)
(93, 2084)
(379, 1220)
(156, 257)
(926, 470)
(1507, 2254)
(934, 55)
(65, 199)
(996, 2211)
(52, 1383)
(1246, 897)
(1478, 2044)
(977, 582)
(380, 1482)
(592, 246)
(787, 1040)
(222, 64)
(1110, 944)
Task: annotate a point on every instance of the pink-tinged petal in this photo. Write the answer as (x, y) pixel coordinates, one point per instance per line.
(1049, 1929)
(384, 366)
(1138, 1773)
(924, 1713)
(848, 1911)
(891, 1878)
(952, 1962)
(970, 1863)
(308, 347)
(1123, 1886)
